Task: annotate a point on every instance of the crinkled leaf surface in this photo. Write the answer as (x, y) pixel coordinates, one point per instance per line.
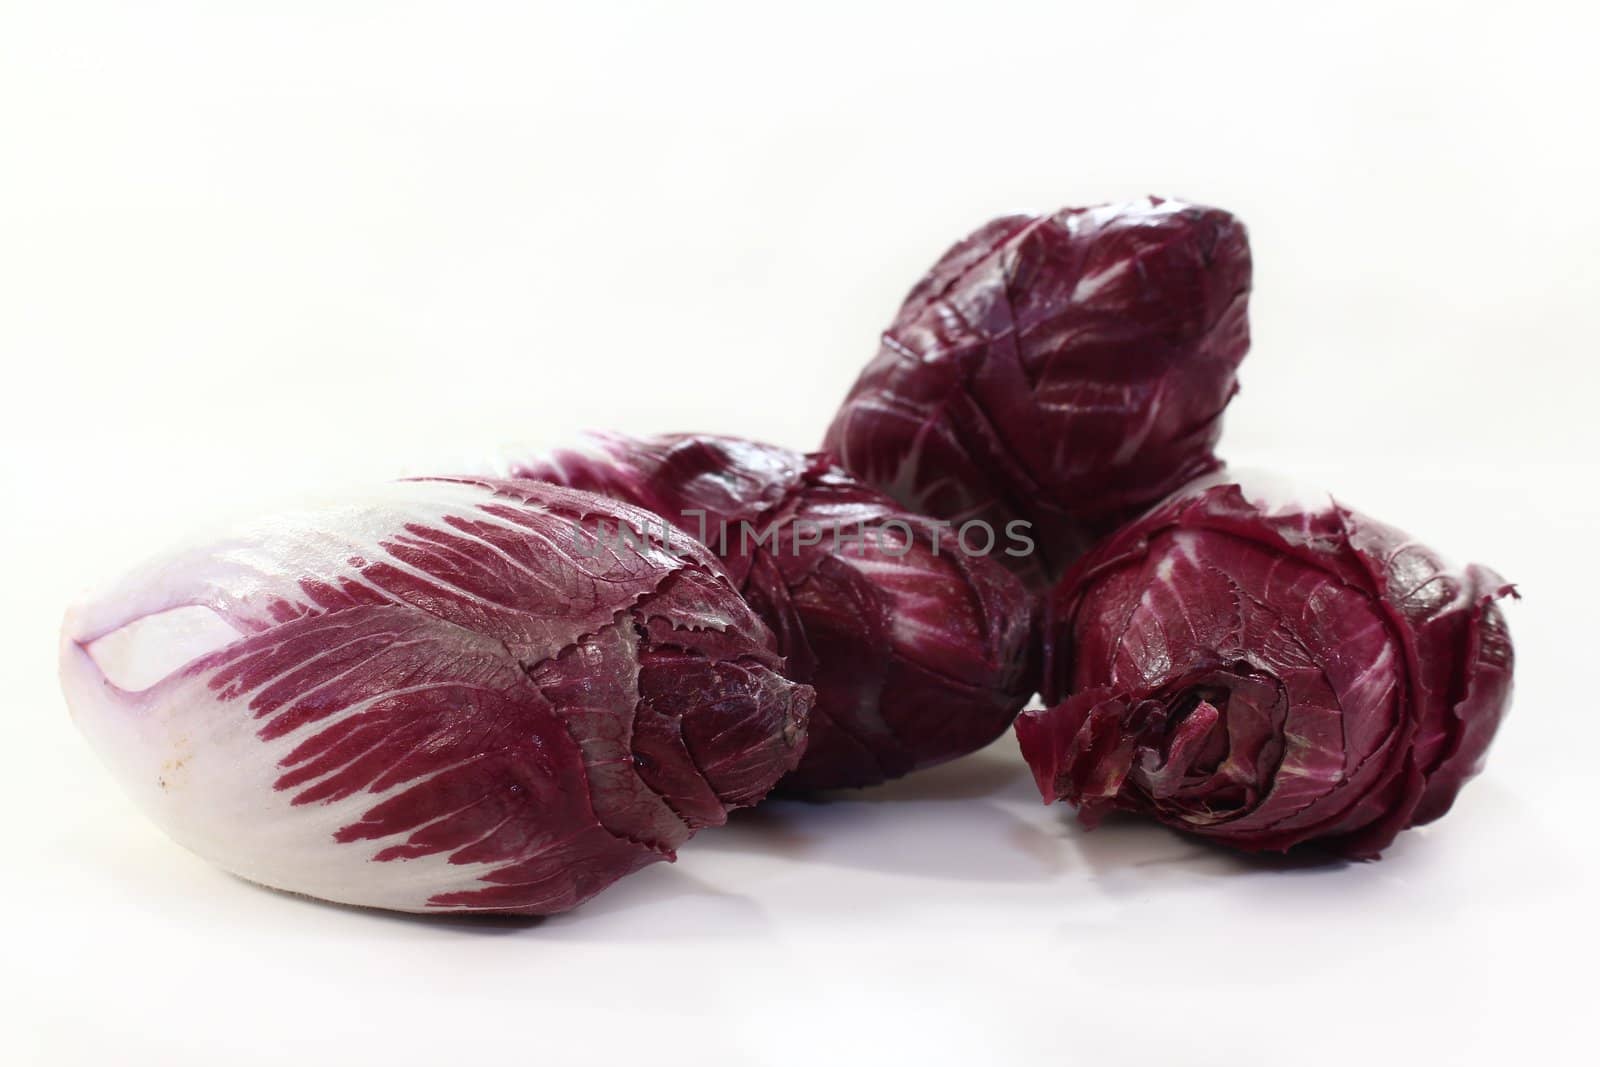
(1267, 673)
(1066, 370)
(918, 650)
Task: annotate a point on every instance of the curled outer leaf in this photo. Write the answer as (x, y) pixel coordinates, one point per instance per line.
(1266, 673)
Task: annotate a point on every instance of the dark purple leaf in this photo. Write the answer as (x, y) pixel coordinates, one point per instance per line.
(1268, 673)
(1067, 371)
(434, 700)
(917, 648)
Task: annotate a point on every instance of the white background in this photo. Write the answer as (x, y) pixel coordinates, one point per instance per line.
(247, 253)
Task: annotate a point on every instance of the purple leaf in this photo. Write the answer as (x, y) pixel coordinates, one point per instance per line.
(1065, 371)
(1268, 673)
(431, 701)
(918, 649)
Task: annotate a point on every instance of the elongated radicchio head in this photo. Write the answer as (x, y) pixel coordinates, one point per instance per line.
(1066, 370)
(1266, 673)
(916, 642)
(448, 696)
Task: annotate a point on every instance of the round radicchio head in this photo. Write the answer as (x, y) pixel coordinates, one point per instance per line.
(1267, 673)
(450, 695)
(1065, 371)
(914, 637)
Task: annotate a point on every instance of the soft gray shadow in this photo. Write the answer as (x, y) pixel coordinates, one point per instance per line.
(466, 923)
(663, 902)
(981, 774)
(1131, 848)
(144, 860)
(946, 822)
(970, 840)
(629, 907)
